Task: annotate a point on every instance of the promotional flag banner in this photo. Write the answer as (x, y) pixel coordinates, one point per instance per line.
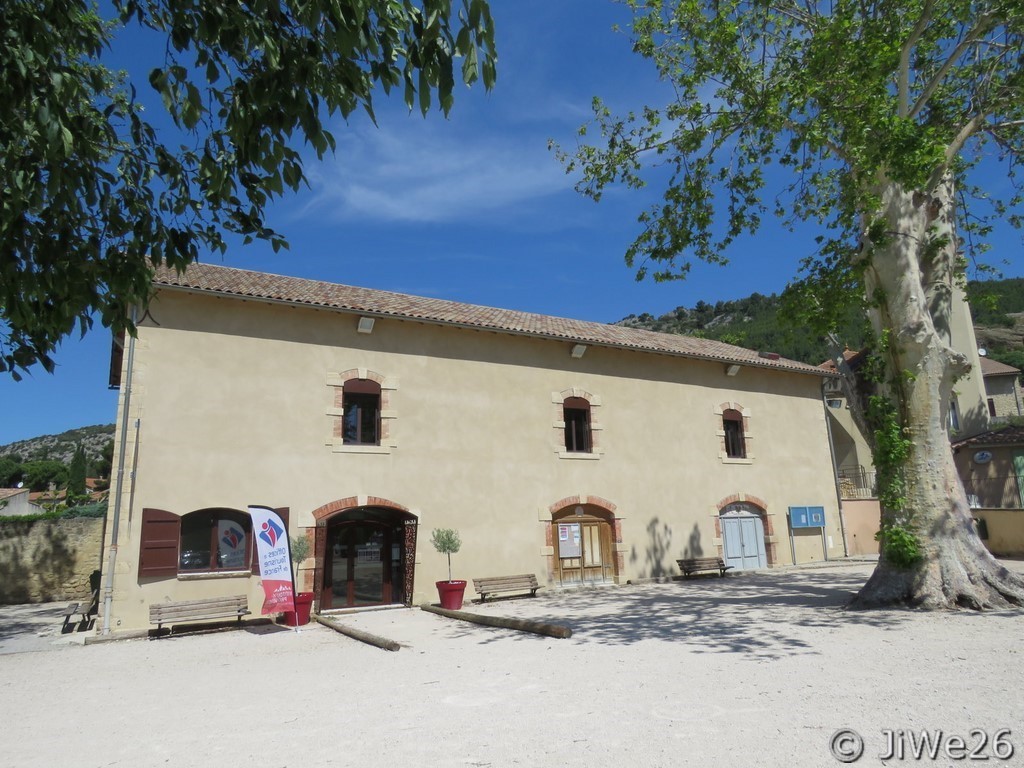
(275, 560)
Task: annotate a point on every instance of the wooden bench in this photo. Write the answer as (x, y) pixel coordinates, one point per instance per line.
(206, 609)
(86, 609)
(697, 564)
(521, 583)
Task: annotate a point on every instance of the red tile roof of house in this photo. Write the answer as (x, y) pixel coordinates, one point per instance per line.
(849, 356)
(365, 301)
(995, 368)
(1008, 435)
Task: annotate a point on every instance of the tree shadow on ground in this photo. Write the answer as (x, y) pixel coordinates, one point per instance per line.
(30, 619)
(762, 615)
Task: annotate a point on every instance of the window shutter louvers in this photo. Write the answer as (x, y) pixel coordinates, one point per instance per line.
(158, 553)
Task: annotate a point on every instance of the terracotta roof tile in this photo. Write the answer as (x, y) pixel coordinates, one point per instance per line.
(995, 368)
(292, 290)
(1008, 435)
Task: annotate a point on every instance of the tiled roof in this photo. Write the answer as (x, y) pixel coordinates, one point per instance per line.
(852, 358)
(365, 301)
(995, 368)
(1008, 435)
(6, 493)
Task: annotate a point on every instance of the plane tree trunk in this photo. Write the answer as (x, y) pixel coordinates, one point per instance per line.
(953, 569)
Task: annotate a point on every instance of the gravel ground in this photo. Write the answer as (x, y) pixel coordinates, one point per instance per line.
(751, 670)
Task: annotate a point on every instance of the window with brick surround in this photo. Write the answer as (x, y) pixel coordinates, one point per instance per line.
(576, 414)
(735, 443)
(362, 411)
(576, 418)
(361, 406)
(732, 422)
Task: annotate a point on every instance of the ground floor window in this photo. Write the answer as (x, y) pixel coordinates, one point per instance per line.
(215, 540)
(203, 541)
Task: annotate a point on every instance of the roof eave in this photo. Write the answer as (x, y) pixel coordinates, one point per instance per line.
(493, 329)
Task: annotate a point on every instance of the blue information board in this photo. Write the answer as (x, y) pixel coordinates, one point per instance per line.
(807, 517)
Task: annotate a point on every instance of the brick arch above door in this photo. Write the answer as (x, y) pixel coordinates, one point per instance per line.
(594, 501)
(321, 514)
(323, 517)
(594, 507)
(756, 506)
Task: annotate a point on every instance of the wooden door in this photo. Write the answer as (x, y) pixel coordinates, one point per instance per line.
(584, 551)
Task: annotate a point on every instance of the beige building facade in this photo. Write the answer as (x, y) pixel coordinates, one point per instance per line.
(1002, 390)
(579, 452)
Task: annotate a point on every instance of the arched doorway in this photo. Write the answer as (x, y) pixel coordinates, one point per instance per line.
(368, 555)
(743, 537)
(584, 545)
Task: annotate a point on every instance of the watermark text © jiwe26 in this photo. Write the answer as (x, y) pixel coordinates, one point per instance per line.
(847, 746)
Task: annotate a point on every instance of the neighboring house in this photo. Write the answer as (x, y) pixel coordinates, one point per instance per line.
(15, 501)
(1002, 389)
(992, 468)
(855, 473)
(581, 452)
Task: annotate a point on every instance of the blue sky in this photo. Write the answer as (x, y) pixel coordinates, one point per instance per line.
(474, 208)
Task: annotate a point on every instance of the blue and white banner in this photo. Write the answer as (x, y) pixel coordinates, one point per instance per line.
(275, 560)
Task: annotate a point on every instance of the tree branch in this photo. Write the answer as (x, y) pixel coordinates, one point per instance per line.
(908, 47)
(971, 127)
(985, 23)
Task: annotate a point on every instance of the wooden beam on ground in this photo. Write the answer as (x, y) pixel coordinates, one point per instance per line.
(505, 622)
(357, 634)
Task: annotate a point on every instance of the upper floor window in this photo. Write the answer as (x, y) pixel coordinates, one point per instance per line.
(576, 414)
(735, 443)
(361, 412)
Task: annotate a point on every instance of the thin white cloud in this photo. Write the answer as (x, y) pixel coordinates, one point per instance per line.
(422, 173)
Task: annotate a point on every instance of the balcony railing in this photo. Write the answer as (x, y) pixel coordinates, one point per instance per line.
(1003, 492)
(856, 483)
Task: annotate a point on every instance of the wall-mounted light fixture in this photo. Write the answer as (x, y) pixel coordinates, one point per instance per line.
(365, 325)
(732, 370)
(578, 350)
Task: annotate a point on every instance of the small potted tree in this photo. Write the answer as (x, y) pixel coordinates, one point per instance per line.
(303, 600)
(447, 542)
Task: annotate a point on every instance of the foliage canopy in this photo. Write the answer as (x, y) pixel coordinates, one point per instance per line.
(804, 110)
(94, 194)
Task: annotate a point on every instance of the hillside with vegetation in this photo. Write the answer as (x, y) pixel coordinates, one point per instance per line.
(757, 322)
(50, 460)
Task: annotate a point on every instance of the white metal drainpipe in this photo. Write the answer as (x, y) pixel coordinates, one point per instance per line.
(108, 587)
(835, 475)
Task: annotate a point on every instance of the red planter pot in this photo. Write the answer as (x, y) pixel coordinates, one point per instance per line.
(300, 616)
(451, 593)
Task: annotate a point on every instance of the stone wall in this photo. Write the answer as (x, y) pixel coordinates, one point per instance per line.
(49, 560)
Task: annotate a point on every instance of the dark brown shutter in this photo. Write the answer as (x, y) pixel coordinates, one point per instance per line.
(158, 554)
(283, 512)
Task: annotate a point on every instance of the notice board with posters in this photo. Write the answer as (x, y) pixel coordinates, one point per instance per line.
(807, 517)
(569, 540)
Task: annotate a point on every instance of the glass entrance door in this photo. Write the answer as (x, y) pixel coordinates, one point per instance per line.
(359, 572)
